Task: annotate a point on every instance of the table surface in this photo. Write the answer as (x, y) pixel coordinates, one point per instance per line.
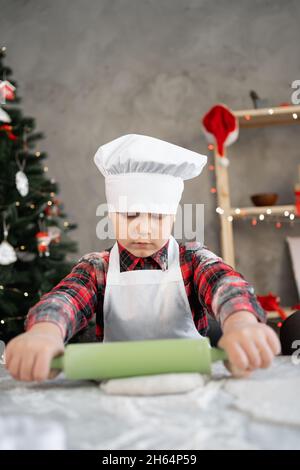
(65, 414)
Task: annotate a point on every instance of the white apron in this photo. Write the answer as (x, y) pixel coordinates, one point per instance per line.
(147, 303)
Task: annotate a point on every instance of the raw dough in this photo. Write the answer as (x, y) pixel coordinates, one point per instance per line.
(157, 384)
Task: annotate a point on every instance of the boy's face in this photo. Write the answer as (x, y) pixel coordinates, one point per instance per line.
(142, 233)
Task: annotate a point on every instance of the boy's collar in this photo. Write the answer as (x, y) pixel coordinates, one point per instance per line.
(128, 260)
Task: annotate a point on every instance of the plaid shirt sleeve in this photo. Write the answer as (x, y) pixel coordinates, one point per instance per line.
(220, 288)
(72, 303)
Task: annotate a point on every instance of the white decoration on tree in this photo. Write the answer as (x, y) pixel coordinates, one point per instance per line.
(7, 253)
(22, 183)
(4, 116)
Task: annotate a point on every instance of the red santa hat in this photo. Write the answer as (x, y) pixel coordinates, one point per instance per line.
(220, 127)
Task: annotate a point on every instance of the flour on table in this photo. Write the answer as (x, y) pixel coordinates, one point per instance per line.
(268, 400)
(24, 432)
(157, 384)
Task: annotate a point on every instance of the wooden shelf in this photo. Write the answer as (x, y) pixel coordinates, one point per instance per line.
(260, 117)
(237, 212)
(273, 315)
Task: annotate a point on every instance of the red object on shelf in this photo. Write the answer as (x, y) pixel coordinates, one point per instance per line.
(270, 302)
(297, 195)
(296, 307)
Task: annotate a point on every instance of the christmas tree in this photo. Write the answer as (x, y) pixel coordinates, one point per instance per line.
(34, 237)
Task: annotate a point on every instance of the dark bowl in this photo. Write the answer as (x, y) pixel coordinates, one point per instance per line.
(264, 199)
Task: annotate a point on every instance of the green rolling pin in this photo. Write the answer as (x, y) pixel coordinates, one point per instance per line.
(97, 361)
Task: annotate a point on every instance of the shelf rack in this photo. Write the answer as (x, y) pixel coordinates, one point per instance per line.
(249, 118)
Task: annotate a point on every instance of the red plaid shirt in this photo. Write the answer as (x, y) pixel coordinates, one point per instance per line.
(212, 286)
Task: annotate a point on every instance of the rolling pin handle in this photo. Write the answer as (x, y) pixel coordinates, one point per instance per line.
(58, 362)
(218, 354)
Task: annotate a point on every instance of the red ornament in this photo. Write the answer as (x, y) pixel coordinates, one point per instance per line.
(8, 129)
(53, 209)
(7, 90)
(43, 241)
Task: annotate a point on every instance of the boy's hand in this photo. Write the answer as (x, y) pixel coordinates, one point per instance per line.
(249, 344)
(28, 355)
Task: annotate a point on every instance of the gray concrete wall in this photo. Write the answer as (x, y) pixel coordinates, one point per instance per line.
(90, 71)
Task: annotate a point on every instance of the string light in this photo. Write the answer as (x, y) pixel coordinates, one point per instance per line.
(14, 289)
(271, 111)
(11, 319)
(286, 216)
(210, 147)
(37, 154)
(213, 190)
(46, 169)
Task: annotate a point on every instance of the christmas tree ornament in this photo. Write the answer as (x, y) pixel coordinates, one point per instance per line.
(8, 129)
(43, 242)
(4, 116)
(7, 251)
(52, 210)
(54, 233)
(22, 183)
(220, 128)
(7, 91)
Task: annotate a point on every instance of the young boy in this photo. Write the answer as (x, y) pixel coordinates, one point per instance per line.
(146, 285)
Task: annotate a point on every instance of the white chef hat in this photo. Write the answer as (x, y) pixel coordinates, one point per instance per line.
(145, 174)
